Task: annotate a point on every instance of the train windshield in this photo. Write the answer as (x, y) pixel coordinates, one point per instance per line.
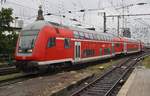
(27, 39)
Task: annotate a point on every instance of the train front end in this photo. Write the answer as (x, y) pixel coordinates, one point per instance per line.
(29, 47)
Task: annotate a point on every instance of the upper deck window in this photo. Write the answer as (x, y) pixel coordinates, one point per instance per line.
(99, 37)
(91, 36)
(76, 34)
(51, 42)
(82, 36)
(87, 36)
(67, 43)
(95, 36)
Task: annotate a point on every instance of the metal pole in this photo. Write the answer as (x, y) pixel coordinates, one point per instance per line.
(118, 25)
(104, 22)
(129, 15)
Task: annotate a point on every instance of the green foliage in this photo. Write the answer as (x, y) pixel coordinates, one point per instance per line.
(8, 42)
(146, 62)
(8, 36)
(5, 19)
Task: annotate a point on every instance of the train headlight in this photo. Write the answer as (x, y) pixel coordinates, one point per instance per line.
(19, 51)
(30, 50)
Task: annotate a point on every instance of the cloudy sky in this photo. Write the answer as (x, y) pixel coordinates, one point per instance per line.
(27, 10)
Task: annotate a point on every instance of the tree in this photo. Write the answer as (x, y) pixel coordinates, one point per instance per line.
(5, 19)
(8, 36)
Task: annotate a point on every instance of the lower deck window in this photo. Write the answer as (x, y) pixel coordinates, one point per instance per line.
(88, 52)
(100, 51)
(107, 51)
(132, 49)
(117, 45)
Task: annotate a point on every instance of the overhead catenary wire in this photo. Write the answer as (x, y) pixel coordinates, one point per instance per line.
(142, 32)
(72, 19)
(81, 10)
(18, 4)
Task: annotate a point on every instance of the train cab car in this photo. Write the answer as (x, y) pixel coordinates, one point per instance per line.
(46, 43)
(42, 43)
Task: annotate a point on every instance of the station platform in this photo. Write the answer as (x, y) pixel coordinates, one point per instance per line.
(138, 84)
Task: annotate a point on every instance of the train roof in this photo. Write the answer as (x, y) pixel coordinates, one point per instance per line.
(90, 31)
(40, 24)
(125, 39)
(37, 25)
(131, 39)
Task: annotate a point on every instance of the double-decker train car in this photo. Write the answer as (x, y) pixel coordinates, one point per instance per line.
(142, 46)
(132, 45)
(44, 43)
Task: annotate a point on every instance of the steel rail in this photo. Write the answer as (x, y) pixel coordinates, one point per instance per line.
(108, 89)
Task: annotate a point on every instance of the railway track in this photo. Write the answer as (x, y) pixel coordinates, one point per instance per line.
(19, 78)
(8, 70)
(24, 77)
(106, 84)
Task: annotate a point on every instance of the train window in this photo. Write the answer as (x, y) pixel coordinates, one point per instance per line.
(81, 35)
(110, 38)
(88, 52)
(67, 43)
(86, 35)
(95, 36)
(107, 38)
(28, 39)
(117, 45)
(91, 36)
(107, 51)
(51, 42)
(76, 34)
(29, 32)
(100, 51)
(103, 38)
(100, 37)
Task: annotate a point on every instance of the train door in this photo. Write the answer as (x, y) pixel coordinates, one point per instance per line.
(139, 46)
(77, 51)
(113, 49)
(125, 47)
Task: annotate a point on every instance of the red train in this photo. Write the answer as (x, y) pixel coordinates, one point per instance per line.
(44, 43)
